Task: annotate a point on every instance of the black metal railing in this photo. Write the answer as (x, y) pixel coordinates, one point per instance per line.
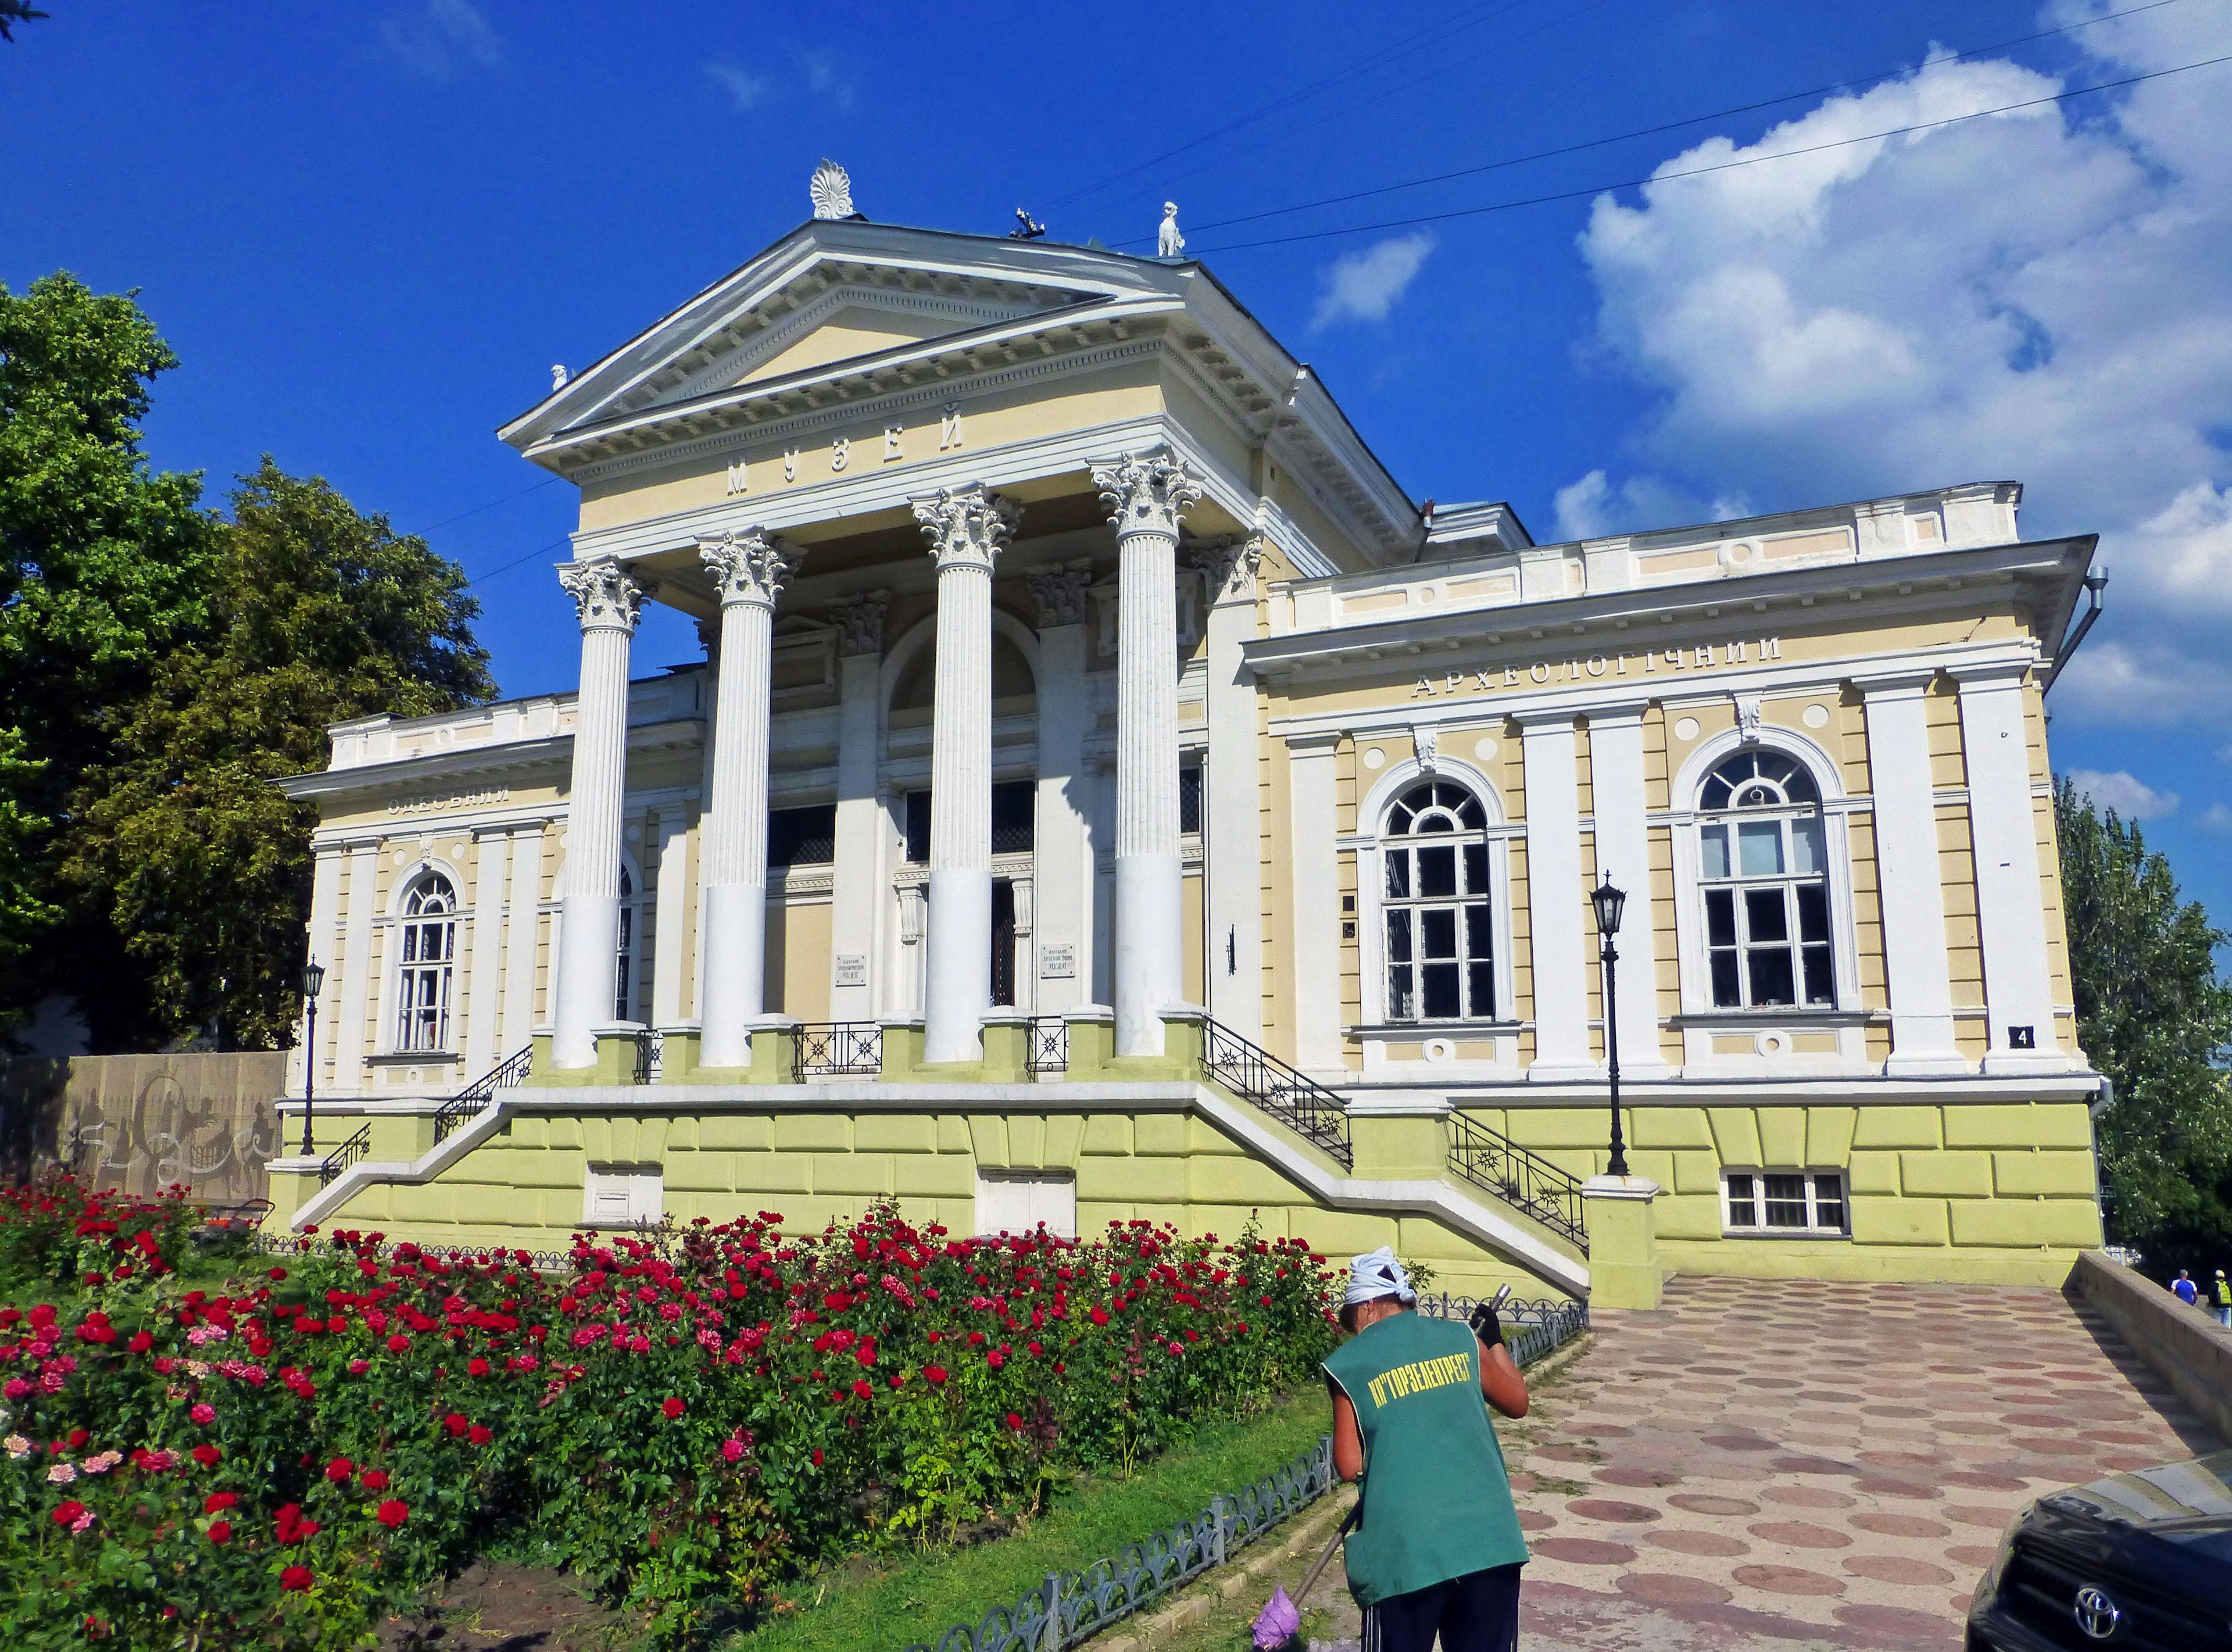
(1050, 1051)
(344, 1155)
(1518, 1177)
(1293, 1098)
(647, 1043)
(839, 1050)
(468, 1102)
(1532, 1329)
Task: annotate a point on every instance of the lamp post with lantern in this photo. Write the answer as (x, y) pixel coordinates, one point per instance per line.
(1609, 903)
(314, 979)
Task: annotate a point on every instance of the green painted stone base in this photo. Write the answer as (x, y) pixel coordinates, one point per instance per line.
(615, 1064)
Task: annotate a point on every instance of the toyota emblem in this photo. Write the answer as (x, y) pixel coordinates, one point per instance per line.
(2096, 1613)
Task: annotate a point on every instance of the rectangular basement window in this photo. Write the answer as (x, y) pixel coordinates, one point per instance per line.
(1785, 1202)
(623, 1195)
(1016, 1201)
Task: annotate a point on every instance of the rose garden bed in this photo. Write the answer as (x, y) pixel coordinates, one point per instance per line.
(685, 1419)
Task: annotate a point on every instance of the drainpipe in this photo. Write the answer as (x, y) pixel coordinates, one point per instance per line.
(2095, 583)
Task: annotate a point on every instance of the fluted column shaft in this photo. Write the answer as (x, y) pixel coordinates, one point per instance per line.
(750, 568)
(1147, 496)
(608, 598)
(968, 528)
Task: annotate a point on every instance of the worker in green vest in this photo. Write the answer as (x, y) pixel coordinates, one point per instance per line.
(1437, 1550)
(2224, 1298)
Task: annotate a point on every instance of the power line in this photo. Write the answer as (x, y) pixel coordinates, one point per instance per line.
(1722, 166)
(517, 561)
(1646, 132)
(532, 487)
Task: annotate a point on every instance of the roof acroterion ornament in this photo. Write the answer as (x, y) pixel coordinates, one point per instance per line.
(832, 191)
(1169, 243)
(559, 375)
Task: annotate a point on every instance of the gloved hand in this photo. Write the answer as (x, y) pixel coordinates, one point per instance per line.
(1487, 1325)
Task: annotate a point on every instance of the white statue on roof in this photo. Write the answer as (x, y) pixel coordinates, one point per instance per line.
(1169, 243)
(832, 191)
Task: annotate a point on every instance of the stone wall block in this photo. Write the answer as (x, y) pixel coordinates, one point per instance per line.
(2026, 1224)
(2036, 1124)
(1898, 1127)
(1872, 1171)
(1736, 1132)
(1829, 1135)
(2054, 1171)
(1898, 1221)
(1959, 1176)
(1672, 1127)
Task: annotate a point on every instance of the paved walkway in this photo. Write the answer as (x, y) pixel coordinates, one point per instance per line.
(1807, 1464)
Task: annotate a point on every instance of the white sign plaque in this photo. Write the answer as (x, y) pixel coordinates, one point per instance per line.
(1058, 962)
(852, 969)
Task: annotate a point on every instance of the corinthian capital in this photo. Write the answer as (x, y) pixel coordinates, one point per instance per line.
(750, 565)
(1061, 593)
(1230, 565)
(1146, 493)
(860, 623)
(966, 525)
(607, 596)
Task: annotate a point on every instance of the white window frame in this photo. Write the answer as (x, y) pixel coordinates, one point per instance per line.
(1686, 820)
(629, 952)
(398, 924)
(1813, 1228)
(1016, 1201)
(617, 1195)
(1368, 846)
(1731, 827)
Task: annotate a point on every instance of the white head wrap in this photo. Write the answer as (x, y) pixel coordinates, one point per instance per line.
(1377, 1274)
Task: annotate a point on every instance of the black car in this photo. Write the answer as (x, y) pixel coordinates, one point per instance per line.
(2142, 1560)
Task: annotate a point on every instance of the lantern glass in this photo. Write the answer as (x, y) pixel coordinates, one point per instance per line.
(1609, 903)
(313, 978)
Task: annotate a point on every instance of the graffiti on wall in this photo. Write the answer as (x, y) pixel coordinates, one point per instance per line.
(137, 1124)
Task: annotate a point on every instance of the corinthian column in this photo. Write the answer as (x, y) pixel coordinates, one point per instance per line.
(609, 598)
(968, 527)
(751, 568)
(1146, 494)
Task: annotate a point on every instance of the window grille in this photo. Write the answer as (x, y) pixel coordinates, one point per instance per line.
(1764, 878)
(1441, 954)
(624, 968)
(1014, 817)
(1785, 1201)
(1190, 797)
(802, 836)
(430, 951)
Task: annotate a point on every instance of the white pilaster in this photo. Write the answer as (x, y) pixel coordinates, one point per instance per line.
(522, 933)
(860, 892)
(483, 984)
(1910, 882)
(673, 908)
(967, 527)
(1623, 838)
(1558, 947)
(350, 1033)
(2010, 896)
(1311, 797)
(324, 946)
(1062, 862)
(609, 598)
(750, 568)
(1232, 856)
(1147, 496)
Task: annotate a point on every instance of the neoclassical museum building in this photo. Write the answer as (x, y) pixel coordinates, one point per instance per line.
(1106, 794)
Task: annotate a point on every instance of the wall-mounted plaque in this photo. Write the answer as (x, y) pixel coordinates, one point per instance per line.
(852, 969)
(1057, 962)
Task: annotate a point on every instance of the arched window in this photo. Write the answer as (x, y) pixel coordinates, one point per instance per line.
(1441, 955)
(624, 968)
(1764, 877)
(430, 952)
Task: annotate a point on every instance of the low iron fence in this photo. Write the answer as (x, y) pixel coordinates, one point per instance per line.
(1293, 1098)
(462, 1108)
(1532, 1329)
(839, 1050)
(1518, 1177)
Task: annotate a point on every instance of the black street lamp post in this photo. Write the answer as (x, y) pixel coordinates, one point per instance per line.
(1609, 903)
(313, 978)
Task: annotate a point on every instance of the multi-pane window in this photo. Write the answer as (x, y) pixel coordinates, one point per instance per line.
(1765, 882)
(1785, 1201)
(1190, 797)
(1441, 955)
(624, 966)
(430, 952)
(802, 836)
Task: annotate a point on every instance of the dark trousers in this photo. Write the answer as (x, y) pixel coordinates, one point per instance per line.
(1478, 1612)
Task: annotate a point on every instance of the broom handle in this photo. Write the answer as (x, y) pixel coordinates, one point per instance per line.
(1347, 1520)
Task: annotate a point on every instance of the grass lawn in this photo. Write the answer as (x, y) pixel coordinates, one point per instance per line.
(878, 1604)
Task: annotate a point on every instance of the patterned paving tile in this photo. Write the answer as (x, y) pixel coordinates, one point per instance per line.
(1832, 1471)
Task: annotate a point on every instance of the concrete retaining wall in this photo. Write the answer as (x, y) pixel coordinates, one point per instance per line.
(137, 1124)
(2187, 1347)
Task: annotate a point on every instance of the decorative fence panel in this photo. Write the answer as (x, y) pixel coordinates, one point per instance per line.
(136, 1124)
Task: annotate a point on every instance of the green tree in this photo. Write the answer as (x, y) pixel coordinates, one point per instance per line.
(317, 614)
(2156, 1017)
(13, 12)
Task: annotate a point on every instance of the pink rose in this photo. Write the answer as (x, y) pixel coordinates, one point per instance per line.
(203, 1414)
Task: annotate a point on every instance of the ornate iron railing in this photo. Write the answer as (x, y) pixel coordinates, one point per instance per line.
(1532, 1329)
(344, 1155)
(647, 1043)
(1293, 1098)
(468, 1102)
(839, 1049)
(1070, 1606)
(1050, 1050)
(1518, 1177)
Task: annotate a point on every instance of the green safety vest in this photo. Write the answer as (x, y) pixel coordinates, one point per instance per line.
(1437, 1498)
(2224, 1293)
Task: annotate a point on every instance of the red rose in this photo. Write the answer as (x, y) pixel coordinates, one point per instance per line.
(141, 1343)
(203, 1414)
(278, 1274)
(391, 1513)
(220, 1531)
(208, 1456)
(78, 1437)
(817, 1456)
(217, 1502)
(399, 1343)
(1100, 1316)
(672, 1406)
(1014, 1422)
(863, 1391)
(995, 1360)
(295, 1579)
(375, 1479)
(933, 1373)
(457, 1423)
(69, 1514)
(479, 1435)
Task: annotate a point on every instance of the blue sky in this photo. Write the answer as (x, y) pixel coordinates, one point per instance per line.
(369, 229)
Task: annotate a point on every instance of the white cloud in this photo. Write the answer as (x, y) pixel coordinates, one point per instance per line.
(2216, 818)
(2128, 795)
(441, 39)
(824, 80)
(1365, 286)
(2044, 295)
(745, 90)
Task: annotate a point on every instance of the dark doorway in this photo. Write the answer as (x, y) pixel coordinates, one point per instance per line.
(1003, 942)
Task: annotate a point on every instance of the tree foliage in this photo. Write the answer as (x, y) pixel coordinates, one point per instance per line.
(2154, 1016)
(317, 614)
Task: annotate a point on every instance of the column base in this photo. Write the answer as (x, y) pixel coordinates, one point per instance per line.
(614, 1063)
(1181, 1061)
(1623, 1271)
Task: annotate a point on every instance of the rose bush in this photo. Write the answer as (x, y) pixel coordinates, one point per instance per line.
(683, 1418)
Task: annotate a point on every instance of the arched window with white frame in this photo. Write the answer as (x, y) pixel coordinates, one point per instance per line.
(1763, 877)
(428, 966)
(1436, 910)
